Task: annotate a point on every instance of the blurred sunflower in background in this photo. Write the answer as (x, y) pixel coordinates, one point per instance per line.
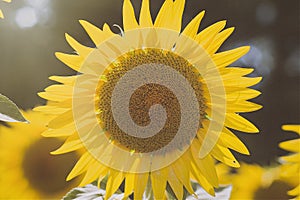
(290, 168)
(1, 13)
(27, 169)
(255, 182)
(152, 104)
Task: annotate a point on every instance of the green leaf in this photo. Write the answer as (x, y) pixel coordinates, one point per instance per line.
(9, 112)
(90, 191)
(171, 194)
(72, 194)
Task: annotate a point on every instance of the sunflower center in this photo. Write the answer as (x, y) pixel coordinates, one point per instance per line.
(44, 172)
(277, 190)
(148, 99)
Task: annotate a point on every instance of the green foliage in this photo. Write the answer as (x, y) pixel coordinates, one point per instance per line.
(72, 194)
(9, 112)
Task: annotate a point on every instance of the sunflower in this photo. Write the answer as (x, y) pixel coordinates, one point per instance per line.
(1, 14)
(291, 163)
(255, 182)
(27, 170)
(152, 104)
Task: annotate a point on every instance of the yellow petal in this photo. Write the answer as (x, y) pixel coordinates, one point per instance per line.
(71, 144)
(175, 184)
(232, 141)
(182, 174)
(192, 28)
(241, 82)
(63, 90)
(51, 110)
(225, 58)
(206, 36)
(244, 94)
(295, 128)
(205, 165)
(115, 179)
(177, 14)
(295, 192)
(81, 165)
(202, 180)
(170, 15)
(225, 156)
(73, 61)
(107, 31)
(7, 1)
(67, 130)
(102, 175)
(224, 151)
(159, 182)
(129, 20)
(241, 106)
(290, 170)
(294, 158)
(164, 16)
(61, 120)
(207, 168)
(140, 183)
(95, 169)
(79, 48)
(219, 40)
(1, 14)
(129, 184)
(145, 15)
(67, 80)
(235, 72)
(94, 32)
(67, 103)
(238, 122)
(291, 145)
(53, 97)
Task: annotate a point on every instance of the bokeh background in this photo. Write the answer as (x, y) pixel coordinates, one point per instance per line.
(34, 29)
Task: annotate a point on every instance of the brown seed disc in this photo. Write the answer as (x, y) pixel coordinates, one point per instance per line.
(145, 97)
